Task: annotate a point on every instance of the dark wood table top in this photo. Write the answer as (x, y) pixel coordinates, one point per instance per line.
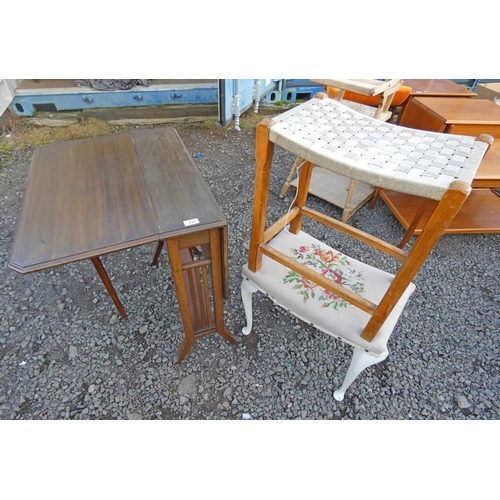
(437, 87)
(455, 110)
(88, 197)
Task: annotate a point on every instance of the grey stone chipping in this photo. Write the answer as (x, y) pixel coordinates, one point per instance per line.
(66, 354)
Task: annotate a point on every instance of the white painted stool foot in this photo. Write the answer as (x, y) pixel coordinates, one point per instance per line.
(247, 290)
(359, 361)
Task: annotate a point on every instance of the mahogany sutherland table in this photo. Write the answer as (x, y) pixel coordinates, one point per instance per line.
(90, 197)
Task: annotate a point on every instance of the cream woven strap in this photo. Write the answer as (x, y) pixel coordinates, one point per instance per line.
(334, 136)
(364, 109)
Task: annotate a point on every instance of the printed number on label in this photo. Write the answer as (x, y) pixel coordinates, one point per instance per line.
(191, 222)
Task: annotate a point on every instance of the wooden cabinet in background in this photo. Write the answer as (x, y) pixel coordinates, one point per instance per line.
(456, 115)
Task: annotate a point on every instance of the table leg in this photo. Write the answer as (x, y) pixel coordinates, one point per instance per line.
(182, 297)
(109, 286)
(217, 284)
(374, 199)
(156, 256)
(225, 261)
(192, 287)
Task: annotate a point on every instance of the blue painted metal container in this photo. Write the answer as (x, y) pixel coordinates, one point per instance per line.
(239, 95)
(296, 89)
(78, 98)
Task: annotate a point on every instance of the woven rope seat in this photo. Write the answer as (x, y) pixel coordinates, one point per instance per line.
(360, 108)
(338, 138)
(337, 189)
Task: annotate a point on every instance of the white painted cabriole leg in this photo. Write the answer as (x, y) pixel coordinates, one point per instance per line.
(359, 361)
(247, 290)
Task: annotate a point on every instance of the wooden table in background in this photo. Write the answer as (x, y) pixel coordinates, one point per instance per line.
(90, 197)
(481, 211)
(433, 88)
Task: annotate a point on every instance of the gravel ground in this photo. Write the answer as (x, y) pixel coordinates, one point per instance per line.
(66, 354)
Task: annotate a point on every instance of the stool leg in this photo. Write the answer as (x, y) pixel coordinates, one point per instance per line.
(347, 208)
(305, 175)
(289, 179)
(247, 290)
(359, 361)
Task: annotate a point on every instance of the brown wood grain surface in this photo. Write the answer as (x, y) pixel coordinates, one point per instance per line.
(475, 129)
(453, 115)
(89, 197)
(416, 116)
(455, 110)
(479, 214)
(473, 117)
(437, 87)
(177, 190)
(424, 88)
(488, 173)
(83, 198)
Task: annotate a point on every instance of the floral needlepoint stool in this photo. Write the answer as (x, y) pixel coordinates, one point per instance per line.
(352, 301)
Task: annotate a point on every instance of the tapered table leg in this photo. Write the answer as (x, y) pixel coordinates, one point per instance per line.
(109, 286)
(156, 256)
(217, 283)
(182, 296)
